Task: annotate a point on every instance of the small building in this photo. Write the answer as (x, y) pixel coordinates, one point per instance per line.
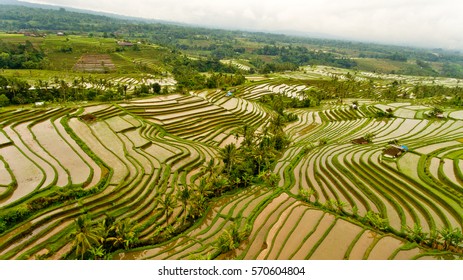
(124, 44)
(360, 141)
(229, 93)
(395, 151)
(39, 104)
(59, 34)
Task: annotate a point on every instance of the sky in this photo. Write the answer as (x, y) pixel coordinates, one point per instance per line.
(422, 23)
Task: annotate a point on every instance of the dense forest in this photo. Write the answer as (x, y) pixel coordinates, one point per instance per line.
(20, 56)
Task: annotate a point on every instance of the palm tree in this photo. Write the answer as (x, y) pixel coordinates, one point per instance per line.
(219, 184)
(451, 237)
(446, 234)
(198, 198)
(306, 194)
(98, 253)
(247, 179)
(368, 137)
(229, 156)
(209, 168)
(184, 195)
(270, 179)
(225, 242)
(277, 124)
(204, 188)
(335, 205)
(376, 220)
(85, 236)
(64, 87)
(340, 205)
(125, 233)
(166, 205)
(232, 237)
(248, 135)
(259, 156)
(416, 234)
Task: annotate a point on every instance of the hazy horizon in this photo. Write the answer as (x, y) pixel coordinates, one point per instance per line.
(420, 23)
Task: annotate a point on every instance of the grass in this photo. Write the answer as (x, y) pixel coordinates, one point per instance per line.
(379, 65)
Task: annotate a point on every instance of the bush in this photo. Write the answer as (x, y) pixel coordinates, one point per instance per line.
(291, 117)
(21, 213)
(375, 220)
(13, 216)
(4, 101)
(231, 238)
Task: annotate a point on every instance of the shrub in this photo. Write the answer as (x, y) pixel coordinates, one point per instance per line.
(4, 101)
(231, 238)
(375, 220)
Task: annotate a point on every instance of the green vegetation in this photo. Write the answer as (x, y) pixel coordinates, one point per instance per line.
(212, 144)
(20, 56)
(266, 53)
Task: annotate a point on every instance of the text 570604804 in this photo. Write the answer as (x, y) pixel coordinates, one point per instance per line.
(263, 270)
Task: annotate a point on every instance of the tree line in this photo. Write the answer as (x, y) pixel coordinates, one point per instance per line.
(291, 57)
(14, 91)
(20, 56)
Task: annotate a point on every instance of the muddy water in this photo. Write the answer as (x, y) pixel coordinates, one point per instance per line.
(132, 120)
(309, 243)
(49, 138)
(411, 160)
(136, 138)
(86, 158)
(44, 238)
(336, 243)
(93, 109)
(43, 159)
(449, 171)
(308, 222)
(431, 148)
(83, 132)
(3, 138)
(384, 248)
(280, 234)
(5, 176)
(27, 174)
(362, 244)
(118, 124)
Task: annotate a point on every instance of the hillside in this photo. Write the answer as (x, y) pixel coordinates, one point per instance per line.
(123, 139)
(263, 52)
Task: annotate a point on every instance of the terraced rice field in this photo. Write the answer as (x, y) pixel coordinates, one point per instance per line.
(136, 154)
(95, 63)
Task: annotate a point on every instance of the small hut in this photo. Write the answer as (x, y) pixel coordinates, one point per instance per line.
(360, 141)
(124, 44)
(395, 151)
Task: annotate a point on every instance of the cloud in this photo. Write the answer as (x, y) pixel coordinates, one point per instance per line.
(413, 22)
